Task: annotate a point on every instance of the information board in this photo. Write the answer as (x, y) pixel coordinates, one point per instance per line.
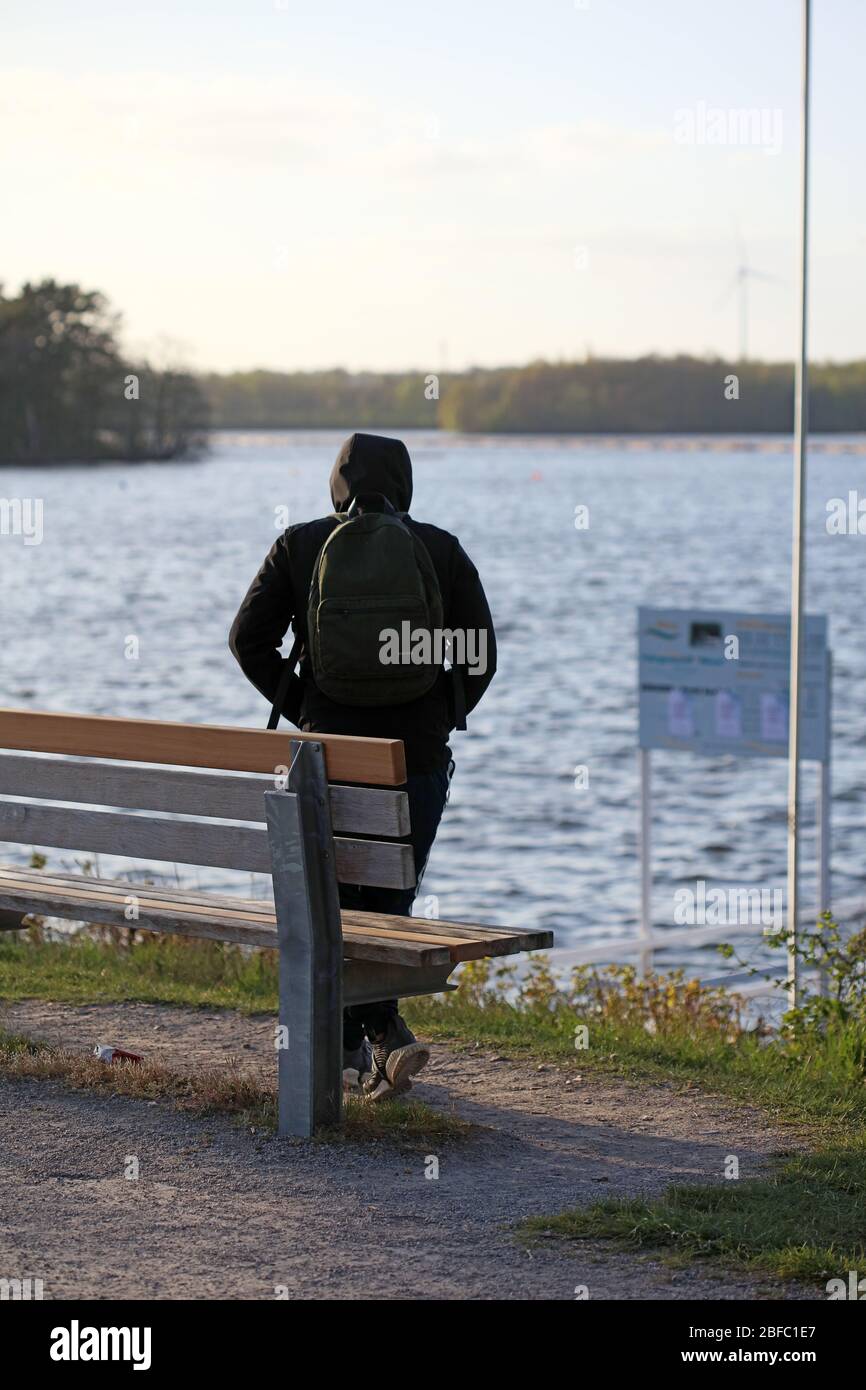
(714, 681)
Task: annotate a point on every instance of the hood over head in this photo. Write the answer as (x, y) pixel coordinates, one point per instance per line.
(372, 463)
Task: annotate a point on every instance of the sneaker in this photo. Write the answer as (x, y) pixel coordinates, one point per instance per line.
(397, 1057)
(357, 1067)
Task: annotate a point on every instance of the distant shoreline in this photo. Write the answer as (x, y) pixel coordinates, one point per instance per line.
(820, 442)
(823, 444)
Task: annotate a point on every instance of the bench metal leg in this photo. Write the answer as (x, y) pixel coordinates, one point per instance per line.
(309, 932)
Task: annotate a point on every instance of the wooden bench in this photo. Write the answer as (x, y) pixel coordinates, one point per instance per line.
(310, 810)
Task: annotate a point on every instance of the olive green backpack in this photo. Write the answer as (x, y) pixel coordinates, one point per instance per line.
(374, 606)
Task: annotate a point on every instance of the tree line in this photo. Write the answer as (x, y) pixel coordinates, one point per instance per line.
(67, 392)
(647, 395)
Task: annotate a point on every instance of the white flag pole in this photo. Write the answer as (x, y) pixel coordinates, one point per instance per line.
(801, 427)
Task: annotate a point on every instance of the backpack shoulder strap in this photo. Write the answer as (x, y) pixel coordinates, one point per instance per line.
(459, 693)
(286, 674)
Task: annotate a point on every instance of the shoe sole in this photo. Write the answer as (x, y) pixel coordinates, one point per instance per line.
(406, 1062)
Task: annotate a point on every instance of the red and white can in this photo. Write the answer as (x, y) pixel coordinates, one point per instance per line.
(106, 1053)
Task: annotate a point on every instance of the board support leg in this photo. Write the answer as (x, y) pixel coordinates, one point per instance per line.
(645, 958)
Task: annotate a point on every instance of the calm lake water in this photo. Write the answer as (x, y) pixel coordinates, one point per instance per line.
(165, 553)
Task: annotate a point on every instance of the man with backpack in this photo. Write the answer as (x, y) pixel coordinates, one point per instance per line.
(371, 595)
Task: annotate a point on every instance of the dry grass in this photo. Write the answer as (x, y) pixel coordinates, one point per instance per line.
(227, 1090)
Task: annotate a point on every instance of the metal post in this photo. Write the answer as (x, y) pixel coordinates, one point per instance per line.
(309, 933)
(823, 817)
(646, 881)
(801, 426)
(824, 832)
(823, 837)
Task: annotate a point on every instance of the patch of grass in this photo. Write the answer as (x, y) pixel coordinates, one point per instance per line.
(205, 1091)
(225, 1090)
(408, 1122)
(807, 1221)
(108, 966)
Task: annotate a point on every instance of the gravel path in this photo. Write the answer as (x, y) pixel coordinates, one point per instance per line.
(218, 1212)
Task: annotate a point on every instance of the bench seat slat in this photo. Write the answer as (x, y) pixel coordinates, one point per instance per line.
(383, 929)
(381, 863)
(173, 917)
(366, 935)
(378, 762)
(475, 941)
(252, 907)
(368, 810)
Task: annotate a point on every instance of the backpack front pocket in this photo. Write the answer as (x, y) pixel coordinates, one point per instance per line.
(360, 637)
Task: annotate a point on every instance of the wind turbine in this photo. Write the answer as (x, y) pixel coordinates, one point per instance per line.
(744, 273)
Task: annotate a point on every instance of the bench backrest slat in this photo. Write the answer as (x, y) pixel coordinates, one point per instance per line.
(373, 761)
(380, 863)
(359, 810)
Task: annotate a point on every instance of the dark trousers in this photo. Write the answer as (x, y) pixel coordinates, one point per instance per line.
(428, 793)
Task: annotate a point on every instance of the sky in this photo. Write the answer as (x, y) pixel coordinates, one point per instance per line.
(298, 184)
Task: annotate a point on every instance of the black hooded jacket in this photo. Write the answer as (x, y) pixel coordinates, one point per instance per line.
(278, 596)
